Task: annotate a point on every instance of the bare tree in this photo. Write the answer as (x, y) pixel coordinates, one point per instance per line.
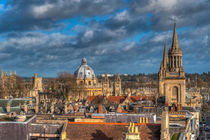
(64, 85)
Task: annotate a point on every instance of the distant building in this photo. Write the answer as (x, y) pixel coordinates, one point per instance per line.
(6, 82)
(86, 78)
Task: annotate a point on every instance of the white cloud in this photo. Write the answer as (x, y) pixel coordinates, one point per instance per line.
(122, 16)
(161, 37)
(129, 46)
(88, 35)
(205, 40)
(40, 11)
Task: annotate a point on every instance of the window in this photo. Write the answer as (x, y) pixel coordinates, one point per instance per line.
(175, 93)
(89, 82)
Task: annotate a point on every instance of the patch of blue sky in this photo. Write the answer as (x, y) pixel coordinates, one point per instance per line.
(135, 38)
(149, 16)
(3, 6)
(3, 1)
(103, 18)
(67, 27)
(186, 28)
(2, 39)
(97, 18)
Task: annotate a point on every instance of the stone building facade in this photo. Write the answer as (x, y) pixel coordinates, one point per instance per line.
(86, 78)
(7, 81)
(171, 74)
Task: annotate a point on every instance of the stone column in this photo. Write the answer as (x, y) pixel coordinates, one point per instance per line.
(37, 108)
(45, 107)
(165, 135)
(52, 108)
(172, 61)
(65, 108)
(30, 101)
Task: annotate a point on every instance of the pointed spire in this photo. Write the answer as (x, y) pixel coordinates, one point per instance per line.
(118, 76)
(175, 44)
(2, 73)
(106, 77)
(165, 56)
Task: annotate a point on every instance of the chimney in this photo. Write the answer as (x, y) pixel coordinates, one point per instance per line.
(52, 107)
(30, 101)
(179, 107)
(76, 107)
(8, 107)
(100, 108)
(37, 107)
(65, 108)
(25, 107)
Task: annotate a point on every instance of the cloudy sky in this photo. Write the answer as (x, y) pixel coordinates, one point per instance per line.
(126, 36)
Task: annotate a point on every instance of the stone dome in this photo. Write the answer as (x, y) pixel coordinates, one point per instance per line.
(84, 71)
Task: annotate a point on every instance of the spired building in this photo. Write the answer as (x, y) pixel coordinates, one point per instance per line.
(117, 86)
(172, 76)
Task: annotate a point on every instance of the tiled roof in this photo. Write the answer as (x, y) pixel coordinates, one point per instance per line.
(138, 98)
(81, 131)
(100, 100)
(91, 98)
(116, 99)
(134, 98)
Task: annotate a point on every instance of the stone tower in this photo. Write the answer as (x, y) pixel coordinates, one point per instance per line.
(106, 85)
(37, 83)
(117, 86)
(165, 135)
(171, 75)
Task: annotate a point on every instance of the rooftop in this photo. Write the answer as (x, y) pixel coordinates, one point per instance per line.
(109, 131)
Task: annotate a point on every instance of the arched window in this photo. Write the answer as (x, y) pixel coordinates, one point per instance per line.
(81, 82)
(175, 93)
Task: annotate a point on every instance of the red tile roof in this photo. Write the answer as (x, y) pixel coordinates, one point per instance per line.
(112, 131)
(91, 98)
(134, 98)
(138, 98)
(116, 99)
(119, 99)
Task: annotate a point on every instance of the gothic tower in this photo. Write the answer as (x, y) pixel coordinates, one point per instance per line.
(117, 86)
(171, 74)
(106, 85)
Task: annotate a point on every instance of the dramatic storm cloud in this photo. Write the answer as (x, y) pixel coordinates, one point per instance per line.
(126, 36)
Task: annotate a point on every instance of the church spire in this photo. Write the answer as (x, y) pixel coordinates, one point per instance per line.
(175, 44)
(165, 56)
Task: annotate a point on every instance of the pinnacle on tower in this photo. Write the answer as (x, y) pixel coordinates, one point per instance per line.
(118, 76)
(165, 56)
(2, 73)
(175, 44)
(84, 61)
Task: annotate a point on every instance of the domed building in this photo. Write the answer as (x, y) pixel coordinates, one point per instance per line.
(86, 77)
(85, 74)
